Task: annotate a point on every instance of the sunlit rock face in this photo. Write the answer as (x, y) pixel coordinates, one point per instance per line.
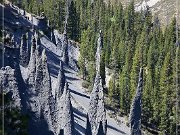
(96, 110)
(9, 85)
(66, 113)
(64, 50)
(60, 82)
(9, 53)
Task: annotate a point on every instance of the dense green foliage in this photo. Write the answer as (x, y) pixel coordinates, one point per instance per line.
(131, 40)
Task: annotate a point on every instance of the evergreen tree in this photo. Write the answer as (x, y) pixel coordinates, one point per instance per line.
(73, 23)
(135, 69)
(166, 91)
(84, 48)
(148, 92)
(61, 15)
(111, 89)
(125, 85)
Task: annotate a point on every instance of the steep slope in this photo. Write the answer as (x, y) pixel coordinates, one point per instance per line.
(80, 99)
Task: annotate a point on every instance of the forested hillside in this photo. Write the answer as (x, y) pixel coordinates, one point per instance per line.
(131, 40)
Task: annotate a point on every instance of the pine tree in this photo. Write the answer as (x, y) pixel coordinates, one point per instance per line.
(135, 69)
(107, 51)
(125, 85)
(84, 48)
(166, 92)
(130, 23)
(111, 89)
(61, 15)
(73, 23)
(176, 80)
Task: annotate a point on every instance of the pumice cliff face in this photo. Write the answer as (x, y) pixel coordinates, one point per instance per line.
(9, 85)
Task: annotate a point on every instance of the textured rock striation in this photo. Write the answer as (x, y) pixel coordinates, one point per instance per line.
(96, 110)
(135, 112)
(66, 112)
(88, 130)
(9, 85)
(64, 49)
(60, 82)
(24, 51)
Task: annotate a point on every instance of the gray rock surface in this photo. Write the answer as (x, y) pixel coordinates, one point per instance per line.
(135, 112)
(60, 82)
(9, 84)
(88, 130)
(96, 110)
(64, 49)
(24, 58)
(67, 118)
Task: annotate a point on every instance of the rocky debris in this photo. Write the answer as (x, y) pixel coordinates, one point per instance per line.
(96, 110)
(9, 85)
(135, 112)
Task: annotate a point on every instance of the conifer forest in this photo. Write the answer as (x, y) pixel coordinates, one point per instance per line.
(89, 67)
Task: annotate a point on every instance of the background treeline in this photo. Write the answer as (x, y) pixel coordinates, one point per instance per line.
(131, 40)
